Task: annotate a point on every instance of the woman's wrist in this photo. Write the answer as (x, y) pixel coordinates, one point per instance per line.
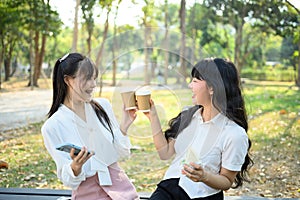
(205, 177)
(123, 130)
(76, 170)
(153, 117)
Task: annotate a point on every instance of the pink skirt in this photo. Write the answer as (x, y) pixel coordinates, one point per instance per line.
(121, 188)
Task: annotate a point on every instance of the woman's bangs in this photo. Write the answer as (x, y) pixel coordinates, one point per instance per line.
(88, 69)
(196, 74)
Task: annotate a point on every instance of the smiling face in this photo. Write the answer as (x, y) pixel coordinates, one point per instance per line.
(82, 88)
(201, 93)
(82, 85)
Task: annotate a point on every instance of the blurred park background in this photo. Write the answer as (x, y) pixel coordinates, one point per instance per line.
(260, 36)
(156, 43)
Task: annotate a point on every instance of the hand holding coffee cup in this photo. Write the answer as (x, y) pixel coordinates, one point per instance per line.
(143, 100)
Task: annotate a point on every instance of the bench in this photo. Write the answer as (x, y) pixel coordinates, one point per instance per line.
(51, 194)
(42, 194)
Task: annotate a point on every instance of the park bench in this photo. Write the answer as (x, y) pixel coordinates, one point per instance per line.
(41, 194)
(51, 194)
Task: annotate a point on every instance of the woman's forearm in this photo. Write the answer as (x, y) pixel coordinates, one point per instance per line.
(162, 146)
(222, 181)
(217, 181)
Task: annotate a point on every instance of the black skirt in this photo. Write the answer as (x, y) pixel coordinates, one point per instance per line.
(170, 190)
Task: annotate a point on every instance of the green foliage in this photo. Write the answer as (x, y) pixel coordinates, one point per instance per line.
(25, 23)
(269, 74)
(272, 50)
(211, 30)
(287, 51)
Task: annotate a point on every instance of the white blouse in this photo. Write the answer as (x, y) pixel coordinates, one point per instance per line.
(64, 126)
(217, 143)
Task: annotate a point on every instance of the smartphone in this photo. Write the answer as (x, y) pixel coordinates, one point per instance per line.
(67, 148)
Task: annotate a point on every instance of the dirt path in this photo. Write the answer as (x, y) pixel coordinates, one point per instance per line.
(20, 108)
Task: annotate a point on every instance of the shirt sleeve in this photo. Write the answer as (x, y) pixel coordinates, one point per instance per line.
(121, 142)
(235, 149)
(50, 131)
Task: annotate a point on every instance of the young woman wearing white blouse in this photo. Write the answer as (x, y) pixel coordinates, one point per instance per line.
(209, 140)
(75, 117)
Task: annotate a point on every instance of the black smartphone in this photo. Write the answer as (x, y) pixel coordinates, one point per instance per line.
(67, 148)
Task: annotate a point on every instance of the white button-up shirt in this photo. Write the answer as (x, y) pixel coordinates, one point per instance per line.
(64, 126)
(217, 143)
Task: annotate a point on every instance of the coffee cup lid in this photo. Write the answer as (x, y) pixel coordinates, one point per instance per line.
(124, 90)
(143, 92)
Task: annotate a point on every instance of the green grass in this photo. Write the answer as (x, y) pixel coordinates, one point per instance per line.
(274, 128)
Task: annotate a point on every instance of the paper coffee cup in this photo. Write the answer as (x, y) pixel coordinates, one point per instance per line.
(129, 100)
(143, 100)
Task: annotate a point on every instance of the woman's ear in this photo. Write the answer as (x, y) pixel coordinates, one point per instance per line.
(67, 80)
(211, 91)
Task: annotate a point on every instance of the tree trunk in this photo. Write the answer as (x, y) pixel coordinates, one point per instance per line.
(146, 53)
(153, 63)
(114, 67)
(182, 46)
(89, 43)
(36, 69)
(75, 31)
(194, 34)
(1, 60)
(14, 66)
(38, 65)
(31, 60)
(298, 69)
(166, 44)
(100, 52)
(238, 45)
(7, 62)
(115, 45)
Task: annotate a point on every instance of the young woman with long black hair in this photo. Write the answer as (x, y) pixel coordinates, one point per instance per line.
(77, 118)
(208, 141)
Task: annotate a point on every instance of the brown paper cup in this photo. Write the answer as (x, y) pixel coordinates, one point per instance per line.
(143, 100)
(129, 100)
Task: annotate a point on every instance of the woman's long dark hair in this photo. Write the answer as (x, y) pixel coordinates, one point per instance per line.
(69, 65)
(222, 76)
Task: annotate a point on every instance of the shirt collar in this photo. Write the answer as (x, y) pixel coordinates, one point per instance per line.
(67, 112)
(219, 120)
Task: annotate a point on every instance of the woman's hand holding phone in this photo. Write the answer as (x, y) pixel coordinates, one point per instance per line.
(79, 160)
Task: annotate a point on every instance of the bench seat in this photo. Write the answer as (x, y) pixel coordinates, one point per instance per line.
(53, 194)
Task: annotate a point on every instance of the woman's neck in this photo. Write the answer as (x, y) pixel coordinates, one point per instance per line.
(77, 107)
(208, 113)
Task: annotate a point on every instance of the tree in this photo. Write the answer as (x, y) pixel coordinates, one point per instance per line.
(264, 14)
(166, 43)
(288, 47)
(283, 18)
(147, 21)
(107, 4)
(41, 22)
(10, 32)
(272, 48)
(128, 39)
(30, 22)
(169, 20)
(87, 10)
(75, 30)
(115, 45)
(235, 13)
(182, 13)
(206, 32)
